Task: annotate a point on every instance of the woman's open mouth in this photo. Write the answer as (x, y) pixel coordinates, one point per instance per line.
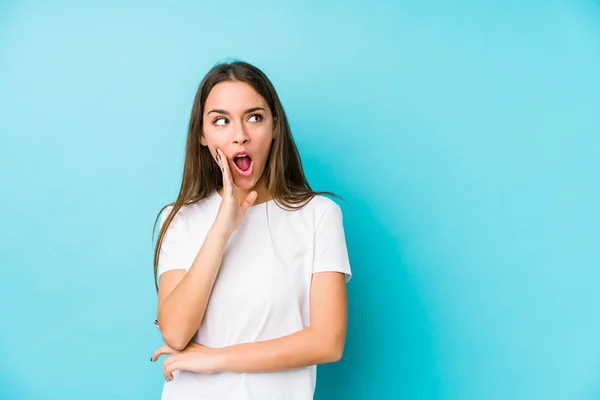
(243, 163)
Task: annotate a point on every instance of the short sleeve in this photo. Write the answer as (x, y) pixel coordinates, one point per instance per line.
(330, 252)
(171, 250)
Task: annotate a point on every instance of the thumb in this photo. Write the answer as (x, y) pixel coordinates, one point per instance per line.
(250, 199)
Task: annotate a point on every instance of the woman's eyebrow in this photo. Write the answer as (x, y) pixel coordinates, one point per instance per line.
(227, 113)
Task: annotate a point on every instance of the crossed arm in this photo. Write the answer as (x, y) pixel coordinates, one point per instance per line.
(321, 342)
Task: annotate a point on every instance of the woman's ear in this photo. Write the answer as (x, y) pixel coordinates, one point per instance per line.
(203, 140)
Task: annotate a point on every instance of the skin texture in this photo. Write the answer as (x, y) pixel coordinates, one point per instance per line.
(183, 297)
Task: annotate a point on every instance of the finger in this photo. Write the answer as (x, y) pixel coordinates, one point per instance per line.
(226, 172)
(169, 365)
(164, 349)
(250, 199)
(227, 179)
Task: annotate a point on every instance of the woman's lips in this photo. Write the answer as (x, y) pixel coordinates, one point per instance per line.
(247, 172)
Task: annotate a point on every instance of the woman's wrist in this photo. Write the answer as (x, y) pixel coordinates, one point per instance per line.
(220, 357)
(218, 233)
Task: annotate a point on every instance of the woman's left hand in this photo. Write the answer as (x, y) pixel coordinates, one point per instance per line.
(194, 358)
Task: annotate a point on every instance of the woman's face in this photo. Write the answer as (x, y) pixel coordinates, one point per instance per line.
(237, 121)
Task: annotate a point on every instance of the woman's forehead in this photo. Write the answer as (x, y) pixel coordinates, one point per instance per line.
(234, 97)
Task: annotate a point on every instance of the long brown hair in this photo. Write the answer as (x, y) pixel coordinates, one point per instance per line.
(284, 175)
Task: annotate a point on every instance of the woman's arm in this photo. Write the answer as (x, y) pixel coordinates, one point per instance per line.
(321, 342)
(183, 297)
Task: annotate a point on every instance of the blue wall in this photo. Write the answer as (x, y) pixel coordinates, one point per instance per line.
(464, 135)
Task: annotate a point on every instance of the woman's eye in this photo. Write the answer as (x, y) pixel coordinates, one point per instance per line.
(257, 118)
(220, 121)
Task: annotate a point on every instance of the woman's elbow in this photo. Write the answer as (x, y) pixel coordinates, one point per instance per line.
(175, 341)
(334, 350)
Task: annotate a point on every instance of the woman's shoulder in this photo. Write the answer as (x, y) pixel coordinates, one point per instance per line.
(320, 205)
(325, 214)
(321, 202)
(191, 211)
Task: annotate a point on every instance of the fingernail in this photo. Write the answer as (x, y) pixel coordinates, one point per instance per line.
(155, 322)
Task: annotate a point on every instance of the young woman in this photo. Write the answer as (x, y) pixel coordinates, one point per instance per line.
(252, 263)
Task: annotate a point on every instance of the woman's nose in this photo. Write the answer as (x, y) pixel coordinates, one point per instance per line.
(240, 135)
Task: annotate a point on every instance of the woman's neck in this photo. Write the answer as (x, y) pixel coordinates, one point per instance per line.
(240, 194)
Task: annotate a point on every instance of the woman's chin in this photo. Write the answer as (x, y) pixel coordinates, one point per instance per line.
(247, 183)
(244, 182)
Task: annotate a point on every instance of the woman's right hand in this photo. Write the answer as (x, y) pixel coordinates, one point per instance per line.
(231, 212)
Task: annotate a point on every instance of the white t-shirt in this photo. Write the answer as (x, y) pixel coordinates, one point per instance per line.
(261, 292)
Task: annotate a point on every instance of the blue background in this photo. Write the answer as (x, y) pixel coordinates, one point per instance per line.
(464, 135)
